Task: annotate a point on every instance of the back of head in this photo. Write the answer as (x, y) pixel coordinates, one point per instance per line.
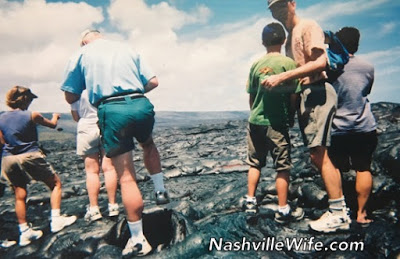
(19, 97)
(273, 34)
(350, 38)
(88, 36)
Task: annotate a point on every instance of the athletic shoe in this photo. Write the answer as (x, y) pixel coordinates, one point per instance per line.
(113, 210)
(162, 197)
(138, 249)
(329, 222)
(29, 235)
(250, 206)
(92, 215)
(293, 215)
(60, 222)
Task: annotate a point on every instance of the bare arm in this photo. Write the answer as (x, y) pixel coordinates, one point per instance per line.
(71, 97)
(75, 115)
(39, 119)
(251, 100)
(151, 84)
(2, 141)
(317, 65)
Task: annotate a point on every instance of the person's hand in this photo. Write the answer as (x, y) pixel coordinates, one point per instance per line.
(271, 81)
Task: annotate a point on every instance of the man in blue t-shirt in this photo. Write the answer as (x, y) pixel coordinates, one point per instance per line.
(354, 127)
(116, 79)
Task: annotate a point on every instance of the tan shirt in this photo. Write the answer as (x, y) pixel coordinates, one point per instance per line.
(305, 38)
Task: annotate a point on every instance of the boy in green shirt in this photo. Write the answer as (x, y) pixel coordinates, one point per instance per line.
(270, 118)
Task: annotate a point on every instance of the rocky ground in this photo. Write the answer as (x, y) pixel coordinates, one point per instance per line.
(206, 178)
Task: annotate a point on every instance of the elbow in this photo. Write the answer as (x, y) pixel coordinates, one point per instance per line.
(154, 82)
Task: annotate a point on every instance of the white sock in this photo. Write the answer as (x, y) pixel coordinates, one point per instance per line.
(55, 213)
(251, 198)
(285, 209)
(94, 208)
(337, 206)
(113, 205)
(158, 181)
(136, 229)
(23, 227)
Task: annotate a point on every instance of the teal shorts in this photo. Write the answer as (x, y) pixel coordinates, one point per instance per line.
(122, 120)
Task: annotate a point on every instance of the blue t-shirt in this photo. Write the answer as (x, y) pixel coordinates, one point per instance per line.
(19, 132)
(106, 68)
(353, 114)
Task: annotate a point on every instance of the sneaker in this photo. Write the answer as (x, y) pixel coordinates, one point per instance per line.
(329, 222)
(162, 197)
(60, 222)
(92, 215)
(293, 215)
(113, 210)
(29, 235)
(250, 206)
(139, 249)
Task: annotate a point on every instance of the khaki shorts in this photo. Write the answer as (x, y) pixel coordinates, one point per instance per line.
(19, 170)
(317, 109)
(88, 139)
(264, 139)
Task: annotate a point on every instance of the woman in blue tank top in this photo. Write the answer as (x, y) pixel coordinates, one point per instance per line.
(23, 161)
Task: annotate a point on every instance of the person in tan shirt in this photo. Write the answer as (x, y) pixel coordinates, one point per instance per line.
(318, 99)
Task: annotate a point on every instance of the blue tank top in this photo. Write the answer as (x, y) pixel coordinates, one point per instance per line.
(19, 132)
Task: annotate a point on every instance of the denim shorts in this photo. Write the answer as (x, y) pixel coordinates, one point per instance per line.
(122, 120)
(262, 140)
(20, 169)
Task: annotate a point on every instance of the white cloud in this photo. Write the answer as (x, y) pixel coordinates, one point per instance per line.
(37, 39)
(200, 72)
(204, 69)
(387, 28)
(324, 12)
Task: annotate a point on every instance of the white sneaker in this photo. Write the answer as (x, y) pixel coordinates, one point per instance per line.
(29, 235)
(92, 215)
(60, 222)
(329, 222)
(113, 210)
(139, 249)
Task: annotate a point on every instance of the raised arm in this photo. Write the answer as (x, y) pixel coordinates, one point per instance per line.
(151, 84)
(39, 119)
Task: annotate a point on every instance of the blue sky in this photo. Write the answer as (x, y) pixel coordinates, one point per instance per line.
(201, 51)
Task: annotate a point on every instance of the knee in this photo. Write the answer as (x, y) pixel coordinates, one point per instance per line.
(148, 144)
(55, 182)
(317, 155)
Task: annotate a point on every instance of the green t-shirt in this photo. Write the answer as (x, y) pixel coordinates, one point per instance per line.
(271, 107)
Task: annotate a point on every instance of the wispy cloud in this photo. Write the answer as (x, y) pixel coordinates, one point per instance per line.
(387, 28)
(325, 11)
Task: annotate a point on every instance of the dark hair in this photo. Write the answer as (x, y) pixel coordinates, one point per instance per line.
(350, 38)
(273, 34)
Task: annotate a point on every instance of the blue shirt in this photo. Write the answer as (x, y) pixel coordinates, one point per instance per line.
(105, 68)
(19, 132)
(353, 114)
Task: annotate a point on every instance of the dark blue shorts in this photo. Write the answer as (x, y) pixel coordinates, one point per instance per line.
(122, 120)
(353, 151)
